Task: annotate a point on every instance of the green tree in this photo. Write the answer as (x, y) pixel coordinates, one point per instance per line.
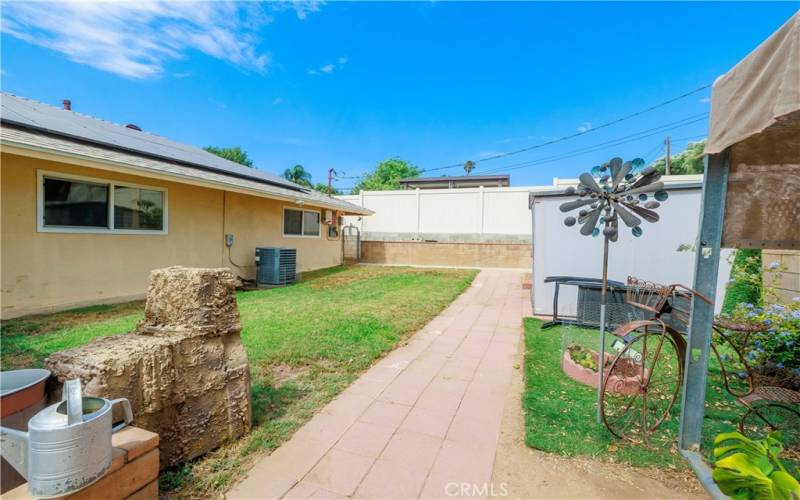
(386, 176)
(323, 188)
(299, 175)
(688, 161)
(235, 154)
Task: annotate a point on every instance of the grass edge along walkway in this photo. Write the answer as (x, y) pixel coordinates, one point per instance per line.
(305, 343)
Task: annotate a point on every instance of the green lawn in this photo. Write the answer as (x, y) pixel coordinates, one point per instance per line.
(305, 343)
(560, 412)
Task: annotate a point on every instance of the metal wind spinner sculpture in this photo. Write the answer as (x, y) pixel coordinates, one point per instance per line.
(619, 193)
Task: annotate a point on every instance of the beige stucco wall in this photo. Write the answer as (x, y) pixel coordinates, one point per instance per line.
(785, 282)
(49, 271)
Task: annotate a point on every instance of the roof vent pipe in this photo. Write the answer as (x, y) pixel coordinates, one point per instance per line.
(67, 104)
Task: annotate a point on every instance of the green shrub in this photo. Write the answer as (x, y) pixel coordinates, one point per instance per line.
(746, 284)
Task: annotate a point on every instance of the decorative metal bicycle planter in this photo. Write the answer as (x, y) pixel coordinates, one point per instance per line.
(771, 401)
(659, 349)
(619, 193)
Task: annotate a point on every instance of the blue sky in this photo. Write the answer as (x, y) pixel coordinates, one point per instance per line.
(345, 85)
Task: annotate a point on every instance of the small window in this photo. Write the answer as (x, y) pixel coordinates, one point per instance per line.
(137, 208)
(301, 223)
(75, 203)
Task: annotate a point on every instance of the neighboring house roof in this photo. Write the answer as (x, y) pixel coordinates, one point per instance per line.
(457, 181)
(33, 125)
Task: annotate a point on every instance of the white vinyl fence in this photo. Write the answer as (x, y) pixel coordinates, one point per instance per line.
(473, 214)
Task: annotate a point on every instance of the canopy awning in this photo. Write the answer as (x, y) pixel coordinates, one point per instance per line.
(755, 117)
(759, 92)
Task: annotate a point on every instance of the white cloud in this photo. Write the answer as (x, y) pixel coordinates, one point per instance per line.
(705, 100)
(301, 7)
(137, 39)
(277, 100)
(585, 127)
(329, 67)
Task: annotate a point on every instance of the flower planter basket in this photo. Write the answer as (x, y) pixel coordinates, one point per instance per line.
(616, 384)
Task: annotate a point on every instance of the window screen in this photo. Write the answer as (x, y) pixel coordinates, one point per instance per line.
(293, 222)
(310, 223)
(75, 203)
(137, 208)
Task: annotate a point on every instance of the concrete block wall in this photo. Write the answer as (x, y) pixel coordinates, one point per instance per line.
(483, 254)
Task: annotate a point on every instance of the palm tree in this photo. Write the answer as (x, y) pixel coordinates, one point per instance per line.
(298, 175)
(468, 166)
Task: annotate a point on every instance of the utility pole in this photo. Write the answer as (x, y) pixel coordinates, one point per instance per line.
(669, 160)
(330, 180)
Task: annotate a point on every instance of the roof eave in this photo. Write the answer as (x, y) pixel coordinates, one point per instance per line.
(25, 149)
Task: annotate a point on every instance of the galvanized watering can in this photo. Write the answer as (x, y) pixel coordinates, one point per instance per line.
(68, 444)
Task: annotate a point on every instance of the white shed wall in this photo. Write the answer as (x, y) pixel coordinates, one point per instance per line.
(561, 250)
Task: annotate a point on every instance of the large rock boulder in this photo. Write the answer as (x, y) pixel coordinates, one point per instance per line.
(184, 369)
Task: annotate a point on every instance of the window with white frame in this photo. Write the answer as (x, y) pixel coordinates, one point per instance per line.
(80, 204)
(301, 223)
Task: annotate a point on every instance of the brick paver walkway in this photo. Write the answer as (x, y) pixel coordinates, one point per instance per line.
(421, 422)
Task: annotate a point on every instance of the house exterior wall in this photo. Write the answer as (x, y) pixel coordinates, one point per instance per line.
(47, 271)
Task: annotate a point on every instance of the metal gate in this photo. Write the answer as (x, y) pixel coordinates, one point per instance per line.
(351, 243)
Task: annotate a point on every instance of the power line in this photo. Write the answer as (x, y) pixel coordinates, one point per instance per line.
(653, 152)
(690, 137)
(621, 140)
(602, 145)
(566, 137)
(584, 132)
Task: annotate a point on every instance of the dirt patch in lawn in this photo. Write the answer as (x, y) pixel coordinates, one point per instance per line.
(529, 473)
(282, 373)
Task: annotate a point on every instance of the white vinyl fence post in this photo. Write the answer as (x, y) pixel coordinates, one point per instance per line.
(419, 211)
(481, 195)
(361, 219)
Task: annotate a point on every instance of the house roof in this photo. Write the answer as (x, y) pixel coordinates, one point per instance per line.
(30, 124)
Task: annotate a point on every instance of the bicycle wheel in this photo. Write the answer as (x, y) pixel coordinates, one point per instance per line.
(761, 419)
(642, 385)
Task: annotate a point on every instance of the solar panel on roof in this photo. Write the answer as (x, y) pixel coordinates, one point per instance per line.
(40, 116)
